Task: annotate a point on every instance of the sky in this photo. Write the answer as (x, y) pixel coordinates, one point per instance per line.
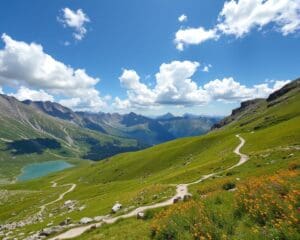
(150, 57)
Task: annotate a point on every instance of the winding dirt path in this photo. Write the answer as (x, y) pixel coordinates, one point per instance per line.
(181, 191)
(60, 197)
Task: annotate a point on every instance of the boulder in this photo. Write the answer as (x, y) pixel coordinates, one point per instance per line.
(85, 220)
(116, 207)
(66, 222)
(140, 215)
(187, 197)
(176, 200)
(49, 231)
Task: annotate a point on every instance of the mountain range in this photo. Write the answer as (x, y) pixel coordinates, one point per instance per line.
(147, 131)
(30, 127)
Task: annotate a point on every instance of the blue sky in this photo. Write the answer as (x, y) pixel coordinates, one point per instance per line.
(131, 55)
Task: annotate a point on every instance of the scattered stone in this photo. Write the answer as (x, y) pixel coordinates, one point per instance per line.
(66, 222)
(187, 197)
(68, 202)
(51, 230)
(140, 215)
(116, 207)
(81, 208)
(176, 200)
(85, 220)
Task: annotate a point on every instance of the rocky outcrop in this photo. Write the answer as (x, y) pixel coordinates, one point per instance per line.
(284, 90)
(247, 107)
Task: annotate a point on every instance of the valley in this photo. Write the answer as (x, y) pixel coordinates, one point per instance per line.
(42, 131)
(264, 132)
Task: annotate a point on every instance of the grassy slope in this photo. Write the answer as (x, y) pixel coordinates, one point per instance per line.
(27, 123)
(127, 177)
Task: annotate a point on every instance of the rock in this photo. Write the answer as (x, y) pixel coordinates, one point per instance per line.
(66, 222)
(68, 202)
(116, 207)
(140, 215)
(187, 197)
(176, 200)
(85, 220)
(98, 218)
(81, 208)
(51, 230)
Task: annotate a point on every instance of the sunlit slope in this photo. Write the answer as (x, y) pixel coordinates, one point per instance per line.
(272, 133)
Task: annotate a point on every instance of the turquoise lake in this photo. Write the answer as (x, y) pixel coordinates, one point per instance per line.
(36, 170)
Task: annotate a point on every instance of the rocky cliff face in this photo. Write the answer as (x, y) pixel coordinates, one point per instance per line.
(248, 107)
(295, 85)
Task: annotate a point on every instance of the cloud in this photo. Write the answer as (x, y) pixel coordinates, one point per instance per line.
(75, 20)
(206, 68)
(1, 90)
(182, 18)
(239, 17)
(23, 64)
(121, 104)
(228, 89)
(174, 86)
(138, 93)
(24, 93)
(193, 36)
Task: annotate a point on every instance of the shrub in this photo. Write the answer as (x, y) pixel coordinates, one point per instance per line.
(187, 220)
(272, 204)
(228, 185)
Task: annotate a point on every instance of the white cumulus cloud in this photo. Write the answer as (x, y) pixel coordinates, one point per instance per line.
(182, 18)
(23, 64)
(239, 17)
(25, 93)
(193, 36)
(75, 20)
(174, 86)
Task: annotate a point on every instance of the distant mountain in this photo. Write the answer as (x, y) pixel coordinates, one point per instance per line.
(166, 116)
(51, 131)
(147, 131)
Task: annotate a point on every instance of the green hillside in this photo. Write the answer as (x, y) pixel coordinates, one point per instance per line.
(272, 133)
(26, 134)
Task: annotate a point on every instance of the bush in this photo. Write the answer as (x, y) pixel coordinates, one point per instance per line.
(187, 220)
(272, 204)
(228, 186)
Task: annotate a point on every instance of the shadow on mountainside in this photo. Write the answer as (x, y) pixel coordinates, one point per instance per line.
(28, 146)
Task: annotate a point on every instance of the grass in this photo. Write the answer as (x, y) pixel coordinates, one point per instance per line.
(272, 137)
